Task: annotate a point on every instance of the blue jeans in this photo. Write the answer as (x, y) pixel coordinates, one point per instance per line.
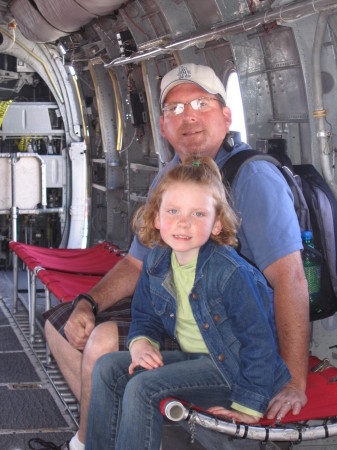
(124, 411)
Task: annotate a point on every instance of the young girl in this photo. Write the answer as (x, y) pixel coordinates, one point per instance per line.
(196, 289)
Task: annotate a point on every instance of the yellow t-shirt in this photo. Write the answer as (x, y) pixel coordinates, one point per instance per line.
(187, 330)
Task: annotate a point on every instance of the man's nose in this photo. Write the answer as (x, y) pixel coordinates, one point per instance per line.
(189, 112)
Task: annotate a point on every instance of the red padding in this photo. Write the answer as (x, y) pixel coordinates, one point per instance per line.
(66, 286)
(97, 260)
(321, 393)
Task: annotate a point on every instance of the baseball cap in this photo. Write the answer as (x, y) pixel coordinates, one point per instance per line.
(202, 76)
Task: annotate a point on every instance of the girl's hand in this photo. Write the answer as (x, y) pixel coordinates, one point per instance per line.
(231, 414)
(145, 355)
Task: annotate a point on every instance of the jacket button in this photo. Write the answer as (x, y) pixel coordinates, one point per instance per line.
(217, 317)
(205, 326)
(221, 357)
(172, 316)
(195, 296)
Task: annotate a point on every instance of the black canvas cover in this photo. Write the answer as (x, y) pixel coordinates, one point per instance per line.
(316, 209)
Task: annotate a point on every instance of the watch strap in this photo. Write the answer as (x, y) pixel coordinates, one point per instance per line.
(89, 299)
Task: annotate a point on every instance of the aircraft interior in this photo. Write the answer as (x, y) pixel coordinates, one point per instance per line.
(80, 144)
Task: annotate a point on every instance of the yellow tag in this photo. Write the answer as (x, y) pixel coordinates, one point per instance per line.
(3, 109)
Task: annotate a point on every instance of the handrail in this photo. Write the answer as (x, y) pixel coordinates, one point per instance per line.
(176, 411)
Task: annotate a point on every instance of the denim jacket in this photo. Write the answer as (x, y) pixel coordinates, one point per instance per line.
(233, 307)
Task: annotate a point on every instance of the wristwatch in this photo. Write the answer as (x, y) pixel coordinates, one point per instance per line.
(89, 299)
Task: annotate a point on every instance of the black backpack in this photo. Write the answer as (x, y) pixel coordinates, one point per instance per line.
(316, 209)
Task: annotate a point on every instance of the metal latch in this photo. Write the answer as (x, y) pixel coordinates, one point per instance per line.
(325, 364)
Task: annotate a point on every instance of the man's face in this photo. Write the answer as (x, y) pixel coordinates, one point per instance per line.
(195, 132)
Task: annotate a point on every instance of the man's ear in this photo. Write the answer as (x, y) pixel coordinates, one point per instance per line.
(161, 121)
(217, 227)
(228, 116)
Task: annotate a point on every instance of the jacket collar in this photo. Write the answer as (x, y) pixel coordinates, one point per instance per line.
(159, 259)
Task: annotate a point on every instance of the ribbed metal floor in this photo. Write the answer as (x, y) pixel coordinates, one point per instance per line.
(49, 366)
(173, 435)
(30, 404)
(36, 401)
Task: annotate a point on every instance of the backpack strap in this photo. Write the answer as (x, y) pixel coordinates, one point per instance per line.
(233, 166)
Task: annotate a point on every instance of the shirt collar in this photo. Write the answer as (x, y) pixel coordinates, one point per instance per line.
(223, 155)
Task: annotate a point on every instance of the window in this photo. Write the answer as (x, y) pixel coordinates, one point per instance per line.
(234, 102)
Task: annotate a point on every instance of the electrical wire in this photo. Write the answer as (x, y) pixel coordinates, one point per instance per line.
(127, 148)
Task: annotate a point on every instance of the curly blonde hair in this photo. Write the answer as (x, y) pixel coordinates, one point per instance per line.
(195, 169)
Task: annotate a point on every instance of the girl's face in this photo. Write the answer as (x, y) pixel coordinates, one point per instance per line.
(186, 219)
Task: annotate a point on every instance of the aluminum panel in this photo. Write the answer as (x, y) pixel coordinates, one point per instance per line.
(29, 119)
(5, 177)
(54, 170)
(27, 183)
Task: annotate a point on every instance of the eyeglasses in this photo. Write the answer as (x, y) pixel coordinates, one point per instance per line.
(202, 104)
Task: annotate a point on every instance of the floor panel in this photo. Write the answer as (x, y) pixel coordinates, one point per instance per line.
(30, 405)
(19, 359)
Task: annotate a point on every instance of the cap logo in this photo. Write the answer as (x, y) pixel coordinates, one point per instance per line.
(184, 73)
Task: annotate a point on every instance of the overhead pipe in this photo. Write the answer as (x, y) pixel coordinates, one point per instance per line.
(8, 40)
(43, 21)
(319, 111)
(58, 18)
(286, 13)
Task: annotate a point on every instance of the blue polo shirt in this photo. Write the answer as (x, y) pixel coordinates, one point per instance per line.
(263, 200)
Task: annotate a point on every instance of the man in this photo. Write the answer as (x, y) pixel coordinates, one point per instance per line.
(269, 236)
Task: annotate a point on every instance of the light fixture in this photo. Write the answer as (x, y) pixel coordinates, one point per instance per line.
(72, 71)
(62, 49)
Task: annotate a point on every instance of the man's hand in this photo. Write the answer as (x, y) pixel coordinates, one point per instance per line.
(231, 414)
(290, 398)
(80, 325)
(291, 303)
(145, 355)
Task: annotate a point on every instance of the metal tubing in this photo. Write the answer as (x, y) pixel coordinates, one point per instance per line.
(32, 302)
(175, 410)
(48, 302)
(320, 113)
(31, 306)
(39, 211)
(15, 281)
